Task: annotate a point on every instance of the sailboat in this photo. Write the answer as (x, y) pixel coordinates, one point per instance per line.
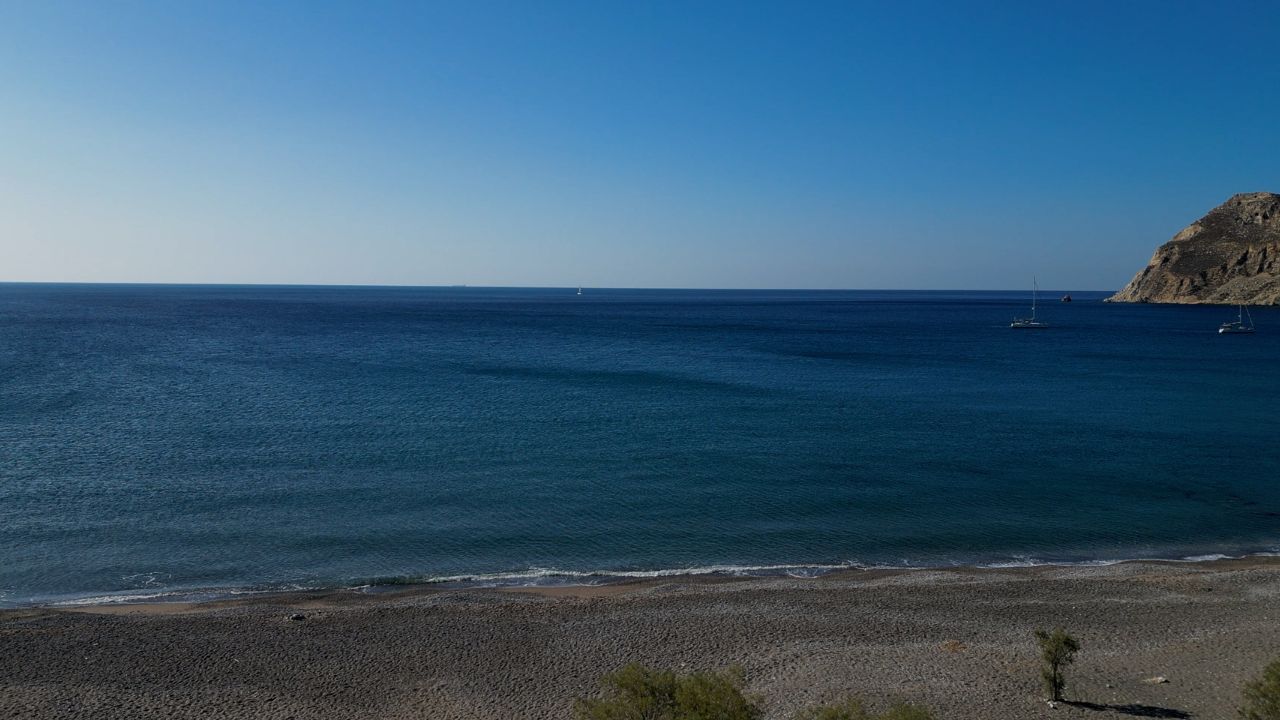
(1237, 326)
(579, 289)
(1030, 323)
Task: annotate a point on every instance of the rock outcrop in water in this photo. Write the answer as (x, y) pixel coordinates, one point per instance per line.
(1230, 256)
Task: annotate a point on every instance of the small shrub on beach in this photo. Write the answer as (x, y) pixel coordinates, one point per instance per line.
(639, 693)
(1262, 695)
(853, 709)
(1057, 651)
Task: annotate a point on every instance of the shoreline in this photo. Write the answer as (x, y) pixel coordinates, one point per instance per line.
(357, 596)
(955, 639)
(557, 579)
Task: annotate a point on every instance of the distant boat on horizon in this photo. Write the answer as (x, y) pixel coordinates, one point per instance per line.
(1030, 323)
(579, 289)
(1237, 326)
(1066, 298)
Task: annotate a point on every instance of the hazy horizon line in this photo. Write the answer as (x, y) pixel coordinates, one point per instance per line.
(460, 286)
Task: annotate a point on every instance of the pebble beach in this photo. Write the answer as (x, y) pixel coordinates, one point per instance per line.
(1172, 640)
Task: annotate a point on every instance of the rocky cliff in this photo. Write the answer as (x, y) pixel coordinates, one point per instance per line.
(1231, 255)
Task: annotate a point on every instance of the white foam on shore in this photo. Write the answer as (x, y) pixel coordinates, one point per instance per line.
(173, 596)
(1025, 561)
(1206, 558)
(554, 576)
(535, 575)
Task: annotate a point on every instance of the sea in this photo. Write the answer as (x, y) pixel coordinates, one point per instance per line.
(188, 442)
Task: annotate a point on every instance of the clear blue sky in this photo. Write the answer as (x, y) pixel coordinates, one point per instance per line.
(680, 144)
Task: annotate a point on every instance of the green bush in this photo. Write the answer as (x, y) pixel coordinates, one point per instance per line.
(1262, 696)
(853, 709)
(639, 693)
(1057, 651)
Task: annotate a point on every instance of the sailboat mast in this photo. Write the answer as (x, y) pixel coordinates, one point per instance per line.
(1034, 290)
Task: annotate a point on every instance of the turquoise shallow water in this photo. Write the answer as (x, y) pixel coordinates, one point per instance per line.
(178, 441)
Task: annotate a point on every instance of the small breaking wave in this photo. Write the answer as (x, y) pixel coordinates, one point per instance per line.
(1207, 558)
(553, 575)
(1026, 561)
(174, 596)
(1022, 561)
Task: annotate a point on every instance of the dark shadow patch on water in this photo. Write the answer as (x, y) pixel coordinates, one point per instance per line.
(887, 357)
(840, 355)
(763, 327)
(612, 378)
(953, 468)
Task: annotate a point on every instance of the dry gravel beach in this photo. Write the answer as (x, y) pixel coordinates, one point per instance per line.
(958, 640)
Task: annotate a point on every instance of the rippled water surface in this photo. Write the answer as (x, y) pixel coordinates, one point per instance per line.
(165, 439)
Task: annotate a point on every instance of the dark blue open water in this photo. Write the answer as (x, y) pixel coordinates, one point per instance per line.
(184, 439)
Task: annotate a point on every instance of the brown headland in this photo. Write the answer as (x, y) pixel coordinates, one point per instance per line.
(1229, 256)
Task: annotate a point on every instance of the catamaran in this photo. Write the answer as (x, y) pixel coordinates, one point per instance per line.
(1237, 326)
(1030, 323)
